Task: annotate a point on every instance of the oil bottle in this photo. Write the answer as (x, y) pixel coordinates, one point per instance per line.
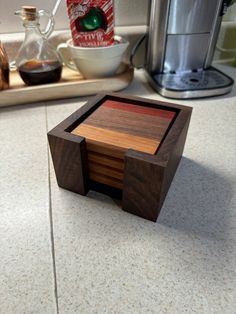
(4, 68)
(37, 61)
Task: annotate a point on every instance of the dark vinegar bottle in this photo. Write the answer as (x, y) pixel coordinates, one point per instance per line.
(37, 61)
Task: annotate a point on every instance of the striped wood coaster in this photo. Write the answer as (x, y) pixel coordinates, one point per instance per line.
(115, 127)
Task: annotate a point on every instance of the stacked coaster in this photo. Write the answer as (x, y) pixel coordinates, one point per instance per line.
(115, 127)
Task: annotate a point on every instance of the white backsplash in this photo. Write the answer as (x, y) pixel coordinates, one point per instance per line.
(127, 12)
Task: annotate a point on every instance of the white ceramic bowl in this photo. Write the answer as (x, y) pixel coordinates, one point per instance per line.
(94, 62)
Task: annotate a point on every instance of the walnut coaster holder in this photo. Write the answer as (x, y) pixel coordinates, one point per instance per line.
(115, 145)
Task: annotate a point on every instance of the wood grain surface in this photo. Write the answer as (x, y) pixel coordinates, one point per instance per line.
(121, 140)
(69, 157)
(106, 170)
(147, 179)
(106, 149)
(131, 119)
(114, 163)
(121, 126)
(96, 177)
(139, 109)
(126, 126)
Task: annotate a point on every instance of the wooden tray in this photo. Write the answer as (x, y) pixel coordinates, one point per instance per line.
(124, 146)
(71, 85)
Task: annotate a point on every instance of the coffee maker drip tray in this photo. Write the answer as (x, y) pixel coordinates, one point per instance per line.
(194, 84)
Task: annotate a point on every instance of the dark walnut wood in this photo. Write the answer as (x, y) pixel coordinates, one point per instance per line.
(147, 178)
(69, 157)
(139, 172)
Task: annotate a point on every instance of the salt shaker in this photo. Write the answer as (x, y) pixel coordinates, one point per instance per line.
(4, 68)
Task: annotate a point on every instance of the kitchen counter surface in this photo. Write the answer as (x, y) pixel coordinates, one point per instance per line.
(64, 253)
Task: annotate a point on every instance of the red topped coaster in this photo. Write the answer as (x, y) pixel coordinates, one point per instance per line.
(113, 128)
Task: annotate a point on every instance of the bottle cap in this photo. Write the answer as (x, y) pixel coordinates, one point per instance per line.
(29, 13)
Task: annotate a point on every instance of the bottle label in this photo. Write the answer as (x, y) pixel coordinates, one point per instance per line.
(91, 22)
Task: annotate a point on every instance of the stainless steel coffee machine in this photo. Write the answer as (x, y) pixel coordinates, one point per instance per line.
(181, 42)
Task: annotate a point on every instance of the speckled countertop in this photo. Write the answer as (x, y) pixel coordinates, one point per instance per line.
(65, 253)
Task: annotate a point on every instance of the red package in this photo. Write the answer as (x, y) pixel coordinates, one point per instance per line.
(91, 22)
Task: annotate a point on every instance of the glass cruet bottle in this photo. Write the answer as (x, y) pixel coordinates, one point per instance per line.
(4, 68)
(37, 61)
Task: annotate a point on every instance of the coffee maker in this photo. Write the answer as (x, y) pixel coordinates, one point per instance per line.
(182, 38)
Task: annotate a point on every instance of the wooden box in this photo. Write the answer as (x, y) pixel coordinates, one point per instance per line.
(126, 147)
